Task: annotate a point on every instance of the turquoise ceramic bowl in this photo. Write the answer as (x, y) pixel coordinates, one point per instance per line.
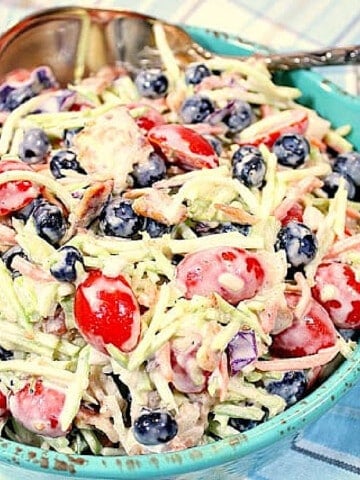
(231, 458)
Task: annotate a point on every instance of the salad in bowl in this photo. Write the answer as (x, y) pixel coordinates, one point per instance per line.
(179, 254)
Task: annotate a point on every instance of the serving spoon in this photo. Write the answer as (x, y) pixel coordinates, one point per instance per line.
(76, 42)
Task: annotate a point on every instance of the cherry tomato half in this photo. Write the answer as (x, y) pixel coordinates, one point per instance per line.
(16, 194)
(38, 408)
(306, 335)
(231, 272)
(106, 311)
(183, 146)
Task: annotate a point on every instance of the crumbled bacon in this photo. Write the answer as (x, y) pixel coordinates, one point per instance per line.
(160, 206)
(92, 202)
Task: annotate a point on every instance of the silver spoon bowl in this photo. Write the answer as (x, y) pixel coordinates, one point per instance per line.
(76, 42)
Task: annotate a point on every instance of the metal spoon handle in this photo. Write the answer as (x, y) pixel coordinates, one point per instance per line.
(319, 58)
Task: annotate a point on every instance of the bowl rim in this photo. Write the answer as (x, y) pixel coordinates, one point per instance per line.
(219, 452)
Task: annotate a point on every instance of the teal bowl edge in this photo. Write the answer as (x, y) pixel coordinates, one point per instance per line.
(318, 93)
(327, 99)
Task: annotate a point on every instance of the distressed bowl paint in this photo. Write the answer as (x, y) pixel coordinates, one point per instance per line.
(231, 458)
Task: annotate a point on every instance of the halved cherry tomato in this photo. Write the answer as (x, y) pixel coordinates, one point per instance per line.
(269, 129)
(149, 119)
(294, 213)
(106, 311)
(183, 146)
(231, 272)
(338, 290)
(3, 404)
(16, 194)
(306, 335)
(38, 408)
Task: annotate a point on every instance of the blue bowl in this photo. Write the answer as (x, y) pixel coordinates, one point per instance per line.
(243, 453)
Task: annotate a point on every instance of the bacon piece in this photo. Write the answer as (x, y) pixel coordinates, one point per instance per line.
(161, 207)
(300, 363)
(92, 203)
(236, 214)
(31, 270)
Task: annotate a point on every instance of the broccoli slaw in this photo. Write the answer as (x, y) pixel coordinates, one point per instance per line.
(200, 354)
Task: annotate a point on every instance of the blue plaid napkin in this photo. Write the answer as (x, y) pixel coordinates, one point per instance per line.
(330, 448)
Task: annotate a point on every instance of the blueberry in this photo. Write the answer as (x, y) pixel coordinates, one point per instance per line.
(348, 164)
(202, 228)
(292, 387)
(331, 184)
(155, 428)
(291, 149)
(243, 424)
(64, 160)
(349, 334)
(151, 83)
(215, 143)
(299, 243)
(249, 168)
(34, 146)
(232, 227)
(69, 134)
(156, 229)
(243, 151)
(64, 269)
(195, 109)
(25, 212)
(9, 255)
(195, 73)
(118, 219)
(17, 97)
(49, 221)
(5, 354)
(145, 174)
(239, 117)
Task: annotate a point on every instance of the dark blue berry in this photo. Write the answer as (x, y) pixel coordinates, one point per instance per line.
(215, 143)
(332, 181)
(151, 83)
(195, 73)
(17, 97)
(291, 149)
(243, 424)
(69, 134)
(348, 164)
(44, 79)
(118, 219)
(244, 150)
(156, 229)
(249, 168)
(50, 223)
(299, 243)
(202, 228)
(34, 146)
(9, 255)
(239, 117)
(64, 269)
(64, 160)
(195, 109)
(5, 354)
(292, 387)
(232, 227)
(145, 174)
(155, 428)
(25, 212)
(349, 334)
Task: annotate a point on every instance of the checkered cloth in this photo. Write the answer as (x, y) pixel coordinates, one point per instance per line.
(330, 448)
